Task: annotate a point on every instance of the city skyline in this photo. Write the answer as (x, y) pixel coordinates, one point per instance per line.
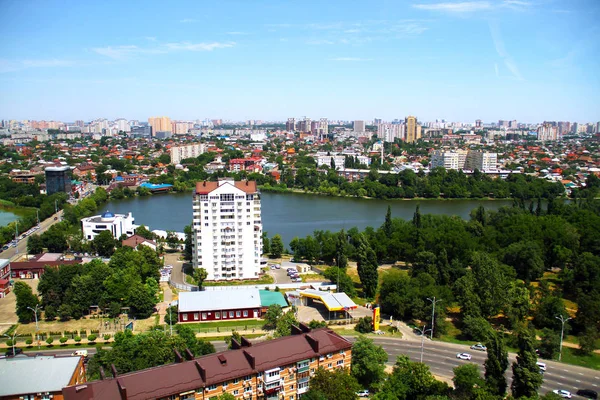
(459, 60)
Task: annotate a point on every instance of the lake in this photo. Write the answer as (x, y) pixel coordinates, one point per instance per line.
(291, 214)
(7, 217)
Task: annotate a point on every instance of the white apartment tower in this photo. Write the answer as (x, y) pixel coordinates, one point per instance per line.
(179, 153)
(227, 229)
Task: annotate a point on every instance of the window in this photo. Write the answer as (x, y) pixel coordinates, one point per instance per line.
(212, 387)
(248, 389)
(236, 392)
(248, 378)
(230, 314)
(206, 224)
(185, 317)
(340, 363)
(238, 314)
(245, 313)
(196, 316)
(217, 315)
(236, 381)
(291, 387)
(225, 315)
(203, 315)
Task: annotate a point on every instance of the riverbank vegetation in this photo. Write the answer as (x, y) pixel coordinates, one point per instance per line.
(501, 269)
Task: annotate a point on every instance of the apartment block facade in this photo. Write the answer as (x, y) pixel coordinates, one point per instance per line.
(274, 369)
(227, 229)
(464, 159)
(179, 153)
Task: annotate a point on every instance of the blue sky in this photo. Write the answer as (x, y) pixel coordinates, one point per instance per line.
(529, 60)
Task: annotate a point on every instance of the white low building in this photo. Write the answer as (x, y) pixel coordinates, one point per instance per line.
(117, 224)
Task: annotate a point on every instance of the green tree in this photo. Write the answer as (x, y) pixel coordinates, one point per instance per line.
(266, 243)
(336, 385)
(274, 312)
(64, 312)
(526, 374)
(50, 313)
(341, 279)
(285, 323)
(367, 267)
(25, 300)
(234, 335)
(171, 315)
(188, 244)
(145, 233)
(587, 340)
(496, 364)
(226, 396)
(341, 259)
(549, 344)
(466, 381)
(104, 243)
(526, 257)
(368, 363)
(276, 246)
(35, 244)
(364, 325)
(172, 239)
(200, 276)
(387, 224)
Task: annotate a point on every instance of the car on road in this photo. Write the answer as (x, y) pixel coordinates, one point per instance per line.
(463, 356)
(9, 352)
(5, 248)
(297, 279)
(565, 394)
(588, 393)
(479, 347)
(277, 266)
(363, 393)
(541, 366)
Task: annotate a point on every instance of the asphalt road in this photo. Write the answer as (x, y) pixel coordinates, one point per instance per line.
(22, 244)
(441, 358)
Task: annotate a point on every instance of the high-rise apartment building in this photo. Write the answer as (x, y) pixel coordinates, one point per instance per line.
(547, 131)
(413, 129)
(160, 124)
(454, 159)
(227, 229)
(58, 179)
(323, 126)
(359, 126)
(478, 123)
(390, 132)
(179, 153)
(481, 160)
(513, 124)
(290, 125)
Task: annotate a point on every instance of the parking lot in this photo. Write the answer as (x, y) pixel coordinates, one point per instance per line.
(280, 275)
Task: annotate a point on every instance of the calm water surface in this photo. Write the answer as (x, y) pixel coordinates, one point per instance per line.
(293, 215)
(7, 217)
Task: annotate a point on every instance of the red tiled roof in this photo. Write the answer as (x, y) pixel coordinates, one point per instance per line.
(135, 240)
(173, 379)
(205, 187)
(25, 265)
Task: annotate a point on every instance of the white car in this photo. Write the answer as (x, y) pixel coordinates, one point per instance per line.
(565, 394)
(479, 347)
(363, 393)
(463, 356)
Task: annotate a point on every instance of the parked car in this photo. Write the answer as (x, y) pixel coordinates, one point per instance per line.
(363, 393)
(9, 352)
(463, 356)
(277, 266)
(479, 347)
(5, 248)
(589, 393)
(565, 394)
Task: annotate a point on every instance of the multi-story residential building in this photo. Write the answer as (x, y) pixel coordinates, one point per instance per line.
(58, 179)
(547, 131)
(122, 125)
(117, 224)
(160, 124)
(323, 126)
(290, 125)
(227, 229)
(179, 153)
(390, 132)
(481, 160)
(478, 124)
(359, 126)
(454, 159)
(4, 277)
(274, 369)
(324, 159)
(413, 129)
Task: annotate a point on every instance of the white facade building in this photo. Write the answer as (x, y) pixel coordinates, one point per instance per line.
(454, 159)
(482, 161)
(179, 153)
(227, 229)
(117, 224)
(390, 132)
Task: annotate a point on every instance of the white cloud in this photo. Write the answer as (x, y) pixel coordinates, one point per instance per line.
(18, 65)
(349, 59)
(501, 50)
(187, 46)
(123, 52)
(460, 7)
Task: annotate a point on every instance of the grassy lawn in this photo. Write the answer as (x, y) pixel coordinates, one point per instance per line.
(570, 356)
(312, 278)
(264, 280)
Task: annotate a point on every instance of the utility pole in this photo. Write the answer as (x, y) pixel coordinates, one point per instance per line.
(170, 321)
(423, 332)
(16, 237)
(433, 301)
(562, 320)
(37, 212)
(35, 313)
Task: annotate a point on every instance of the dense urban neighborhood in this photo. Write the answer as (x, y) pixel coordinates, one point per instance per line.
(224, 309)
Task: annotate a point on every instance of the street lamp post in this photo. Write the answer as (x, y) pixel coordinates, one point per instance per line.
(433, 301)
(35, 313)
(170, 321)
(12, 340)
(37, 213)
(423, 332)
(16, 237)
(562, 320)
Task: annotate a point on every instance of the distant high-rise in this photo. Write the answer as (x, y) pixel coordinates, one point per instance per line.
(478, 123)
(359, 126)
(160, 124)
(290, 125)
(413, 129)
(547, 132)
(513, 124)
(323, 126)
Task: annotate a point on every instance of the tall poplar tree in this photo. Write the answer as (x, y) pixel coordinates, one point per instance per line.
(527, 378)
(367, 267)
(496, 364)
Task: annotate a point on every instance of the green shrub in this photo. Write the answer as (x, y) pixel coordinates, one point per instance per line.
(107, 337)
(29, 341)
(364, 325)
(63, 340)
(77, 339)
(50, 340)
(91, 338)
(9, 342)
